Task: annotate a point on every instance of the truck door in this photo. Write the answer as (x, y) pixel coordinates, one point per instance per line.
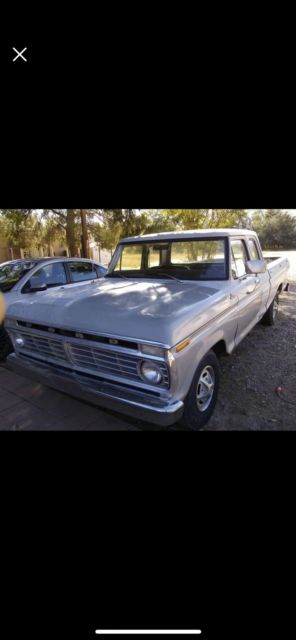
(255, 253)
(246, 288)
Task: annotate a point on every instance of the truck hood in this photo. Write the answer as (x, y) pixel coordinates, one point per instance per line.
(159, 311)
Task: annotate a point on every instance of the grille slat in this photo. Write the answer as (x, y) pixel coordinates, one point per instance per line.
(45, 346)
(99, 360)
(96, 360)
(113, 359)
(111, 355)
(90, 357)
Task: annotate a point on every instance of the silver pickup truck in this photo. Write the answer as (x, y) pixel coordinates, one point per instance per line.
(145, 340)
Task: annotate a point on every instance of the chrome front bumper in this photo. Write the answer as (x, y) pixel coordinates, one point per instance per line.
(97, 391)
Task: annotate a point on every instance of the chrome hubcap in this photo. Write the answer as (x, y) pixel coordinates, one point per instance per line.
(205, 388)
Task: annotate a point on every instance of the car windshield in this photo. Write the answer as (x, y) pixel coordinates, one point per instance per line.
(12, 272)
(198, 259)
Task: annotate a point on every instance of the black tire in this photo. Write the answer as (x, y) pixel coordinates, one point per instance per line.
(195, 414)
(271, 315)
(5, 344)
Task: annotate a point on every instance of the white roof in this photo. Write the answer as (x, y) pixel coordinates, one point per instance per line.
(187, 235)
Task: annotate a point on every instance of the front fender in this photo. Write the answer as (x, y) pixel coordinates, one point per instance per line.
(200, 343)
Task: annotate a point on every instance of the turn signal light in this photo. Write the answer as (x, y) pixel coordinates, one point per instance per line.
(182, 346)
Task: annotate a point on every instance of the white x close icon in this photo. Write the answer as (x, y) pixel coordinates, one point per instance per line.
(19, 54)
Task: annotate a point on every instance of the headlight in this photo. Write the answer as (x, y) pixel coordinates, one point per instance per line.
(151, 373)
(19, 342)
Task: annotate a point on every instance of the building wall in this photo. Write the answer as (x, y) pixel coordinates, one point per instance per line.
(97, 253)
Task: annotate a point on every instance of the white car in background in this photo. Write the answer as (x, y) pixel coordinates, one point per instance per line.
(32, 277)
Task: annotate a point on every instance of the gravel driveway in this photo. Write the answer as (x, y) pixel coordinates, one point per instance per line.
(266, 360)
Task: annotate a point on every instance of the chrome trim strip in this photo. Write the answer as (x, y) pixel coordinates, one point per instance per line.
(94, 333)
(89, 343)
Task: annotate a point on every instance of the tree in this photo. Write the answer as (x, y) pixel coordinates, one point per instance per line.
(52, 232)
(21, 227)
(206, 218)
(69, 221)
(231, 218)
(75, 223)
(276, 229)
(158, 221)
(116, 224)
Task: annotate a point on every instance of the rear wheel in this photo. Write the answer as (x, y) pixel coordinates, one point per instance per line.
(271, 315)
(202, 397)
(5, 344)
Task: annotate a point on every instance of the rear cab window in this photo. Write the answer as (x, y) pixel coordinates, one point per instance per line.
(206, 257)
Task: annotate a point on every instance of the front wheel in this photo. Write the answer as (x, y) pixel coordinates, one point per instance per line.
(5, 344)
(271, 315)
(202, 397)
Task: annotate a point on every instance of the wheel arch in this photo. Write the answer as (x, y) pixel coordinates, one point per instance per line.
(220, 348)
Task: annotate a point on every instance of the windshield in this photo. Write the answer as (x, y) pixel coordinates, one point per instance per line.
(203, 259)
(12, 272)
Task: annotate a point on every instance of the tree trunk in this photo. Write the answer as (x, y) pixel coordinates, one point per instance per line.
(70, 233)
(84, 237)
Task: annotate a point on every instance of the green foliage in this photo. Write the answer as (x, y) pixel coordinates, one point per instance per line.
(26, 228)
(206, 218)
(52, 232)
(117, 224)
(21, 227)
(276, 229)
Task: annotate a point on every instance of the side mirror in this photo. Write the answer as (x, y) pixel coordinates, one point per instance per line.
(256, 266)
(37, 284)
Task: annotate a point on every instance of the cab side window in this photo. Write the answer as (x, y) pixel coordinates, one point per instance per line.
(253, 249)
(239, 258)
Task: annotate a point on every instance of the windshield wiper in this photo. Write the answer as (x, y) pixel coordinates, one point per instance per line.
(142, 274)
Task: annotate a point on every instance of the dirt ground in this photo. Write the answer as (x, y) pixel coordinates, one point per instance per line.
(250, 377)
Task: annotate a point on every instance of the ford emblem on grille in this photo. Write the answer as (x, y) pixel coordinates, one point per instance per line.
(51, 329)
(79, 335)
(112, 341)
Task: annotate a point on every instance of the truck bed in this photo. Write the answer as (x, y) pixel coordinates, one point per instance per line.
(272, 256)
(277, 266)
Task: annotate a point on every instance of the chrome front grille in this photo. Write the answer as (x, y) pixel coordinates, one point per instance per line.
(81, 356)
(103, 361)
(45, 346)
(110, 362)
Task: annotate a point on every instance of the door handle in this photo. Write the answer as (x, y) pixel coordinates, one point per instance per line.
(252, 288)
